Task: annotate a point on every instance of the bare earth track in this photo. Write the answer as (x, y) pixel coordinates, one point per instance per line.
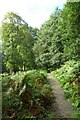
(61, 108)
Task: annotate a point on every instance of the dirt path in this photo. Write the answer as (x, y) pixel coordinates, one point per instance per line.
(61, 108)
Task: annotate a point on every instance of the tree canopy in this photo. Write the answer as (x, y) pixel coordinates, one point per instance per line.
(17, 43)
(57, 41)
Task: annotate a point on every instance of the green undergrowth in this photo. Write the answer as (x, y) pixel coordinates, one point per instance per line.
(69, 77)
(26, 95)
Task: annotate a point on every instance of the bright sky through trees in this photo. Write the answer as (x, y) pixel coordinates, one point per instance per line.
(34, 12)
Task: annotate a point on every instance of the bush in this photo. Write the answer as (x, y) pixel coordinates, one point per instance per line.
(69, 75)
(26, 95)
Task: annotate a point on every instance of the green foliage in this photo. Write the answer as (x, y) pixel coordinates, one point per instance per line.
(69, 27)
(16, 43)
(26, 95)
(48, 48)
(25, 48)
(59, 38)
(69, 75)
(34, 33)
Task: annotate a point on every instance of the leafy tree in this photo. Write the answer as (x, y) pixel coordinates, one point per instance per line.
(34, 33)
(16, 43)
(69, 27)
(48, 48)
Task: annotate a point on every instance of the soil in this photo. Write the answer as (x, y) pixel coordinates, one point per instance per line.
(61, 108)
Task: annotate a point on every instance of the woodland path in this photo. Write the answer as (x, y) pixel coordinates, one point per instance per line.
(61, 108)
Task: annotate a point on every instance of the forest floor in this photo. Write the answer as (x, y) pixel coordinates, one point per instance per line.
(61, 108)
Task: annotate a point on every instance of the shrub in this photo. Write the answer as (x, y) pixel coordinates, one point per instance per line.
(26, 95)
(69, 75)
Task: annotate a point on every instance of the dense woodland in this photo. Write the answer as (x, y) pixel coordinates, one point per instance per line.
(29, 54)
